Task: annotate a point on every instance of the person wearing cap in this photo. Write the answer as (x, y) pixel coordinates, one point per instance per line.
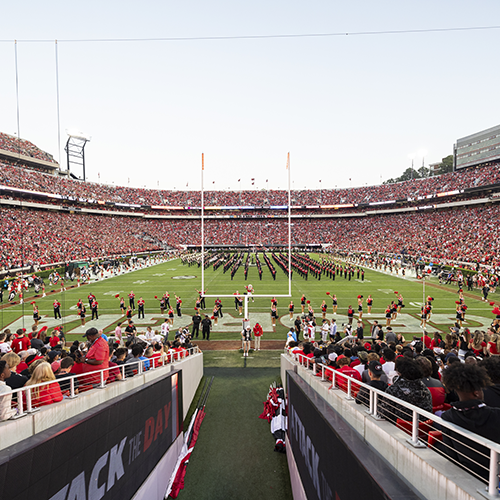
(97, 357)
(375, 372)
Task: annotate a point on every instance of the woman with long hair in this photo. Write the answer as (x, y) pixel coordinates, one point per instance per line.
(47, 394)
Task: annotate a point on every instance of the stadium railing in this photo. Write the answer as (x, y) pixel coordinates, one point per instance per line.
(426, 429)
(23, 400)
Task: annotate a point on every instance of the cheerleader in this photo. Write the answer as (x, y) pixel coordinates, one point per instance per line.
(166, 296)
(79, 304)
(290, 309)
(334, 304)
(36, 314)
(350, 315)
(303, 303)
(274, 316)
(310, 311)
(388, 315)
(360, 306)
(171, 316)
(369, 303)
(429, 306)
(394, 310)
(215, 315)
(122, 306)
(197, 305)
(128, 312)
(323, 309)
(423, 317)
(162, 306)
(178, 305)
(400, 302)
(239, 303)
(82, 314)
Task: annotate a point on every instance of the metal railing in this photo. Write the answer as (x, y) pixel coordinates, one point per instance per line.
(477, 455)
(97, 379)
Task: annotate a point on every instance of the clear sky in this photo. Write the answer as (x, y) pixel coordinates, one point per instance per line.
(350, 108)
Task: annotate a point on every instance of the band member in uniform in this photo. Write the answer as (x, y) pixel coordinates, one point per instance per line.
(250, 291)
(369, 303)
(57, 309)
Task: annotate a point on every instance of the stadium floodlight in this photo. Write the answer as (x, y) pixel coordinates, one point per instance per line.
(75, 149)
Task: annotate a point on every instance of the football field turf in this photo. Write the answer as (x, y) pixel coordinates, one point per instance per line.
(183, 280)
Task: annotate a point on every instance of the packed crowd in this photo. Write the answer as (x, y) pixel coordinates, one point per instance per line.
(39, 358)
(36, 181)
(456, 378)
(26, 148)
(462, 234)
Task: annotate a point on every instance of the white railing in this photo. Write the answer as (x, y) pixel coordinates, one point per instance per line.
(426, 429)
(95, 379)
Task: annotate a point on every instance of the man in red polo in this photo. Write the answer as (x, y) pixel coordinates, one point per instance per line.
(97, 357)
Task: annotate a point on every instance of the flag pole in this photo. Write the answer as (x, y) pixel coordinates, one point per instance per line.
(202, 227)
(289, 230)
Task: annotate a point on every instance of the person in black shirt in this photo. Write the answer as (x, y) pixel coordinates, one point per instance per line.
(375, 371)
(196, 325)
(206, 324)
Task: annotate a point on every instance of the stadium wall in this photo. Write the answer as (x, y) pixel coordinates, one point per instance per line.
(106, 452)
(427, 473)
(14, 431)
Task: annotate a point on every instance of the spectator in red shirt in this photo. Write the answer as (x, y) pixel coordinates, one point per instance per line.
(343, 363)
(47, 394)
(257, 333)
(97, 357)
(21, 342)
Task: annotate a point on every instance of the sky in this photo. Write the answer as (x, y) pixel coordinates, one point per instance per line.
(351, 109)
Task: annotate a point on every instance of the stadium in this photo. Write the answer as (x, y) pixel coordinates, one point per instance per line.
(254, 341)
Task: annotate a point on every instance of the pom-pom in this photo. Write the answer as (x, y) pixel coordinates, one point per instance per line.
(33, 302)
(457, 302)
(156, 296)
(359, 296)
(212, 317)
(396, 293)
(117, 295)
(464, 307)
(460, 290)
(496, 311)
(492, 303)
(44, 328)
(308, 302)
(328, 293)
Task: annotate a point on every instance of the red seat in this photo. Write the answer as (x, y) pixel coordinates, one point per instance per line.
(423, 427)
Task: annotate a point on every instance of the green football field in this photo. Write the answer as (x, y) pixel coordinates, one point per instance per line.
(183, 280)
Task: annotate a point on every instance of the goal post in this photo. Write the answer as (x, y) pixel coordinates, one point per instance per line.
(252, 244)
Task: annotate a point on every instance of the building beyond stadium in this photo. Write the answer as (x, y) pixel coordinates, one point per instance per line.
(477, 149)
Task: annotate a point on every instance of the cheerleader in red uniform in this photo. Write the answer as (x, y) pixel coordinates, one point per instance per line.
(369, 303)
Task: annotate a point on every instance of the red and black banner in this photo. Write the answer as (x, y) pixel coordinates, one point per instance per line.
(333, 461)
(104, 453)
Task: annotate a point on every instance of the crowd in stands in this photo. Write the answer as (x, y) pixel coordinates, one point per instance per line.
(37, 358)
(456, 378)
(36, 181)
(24, 147)
(462, 234)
